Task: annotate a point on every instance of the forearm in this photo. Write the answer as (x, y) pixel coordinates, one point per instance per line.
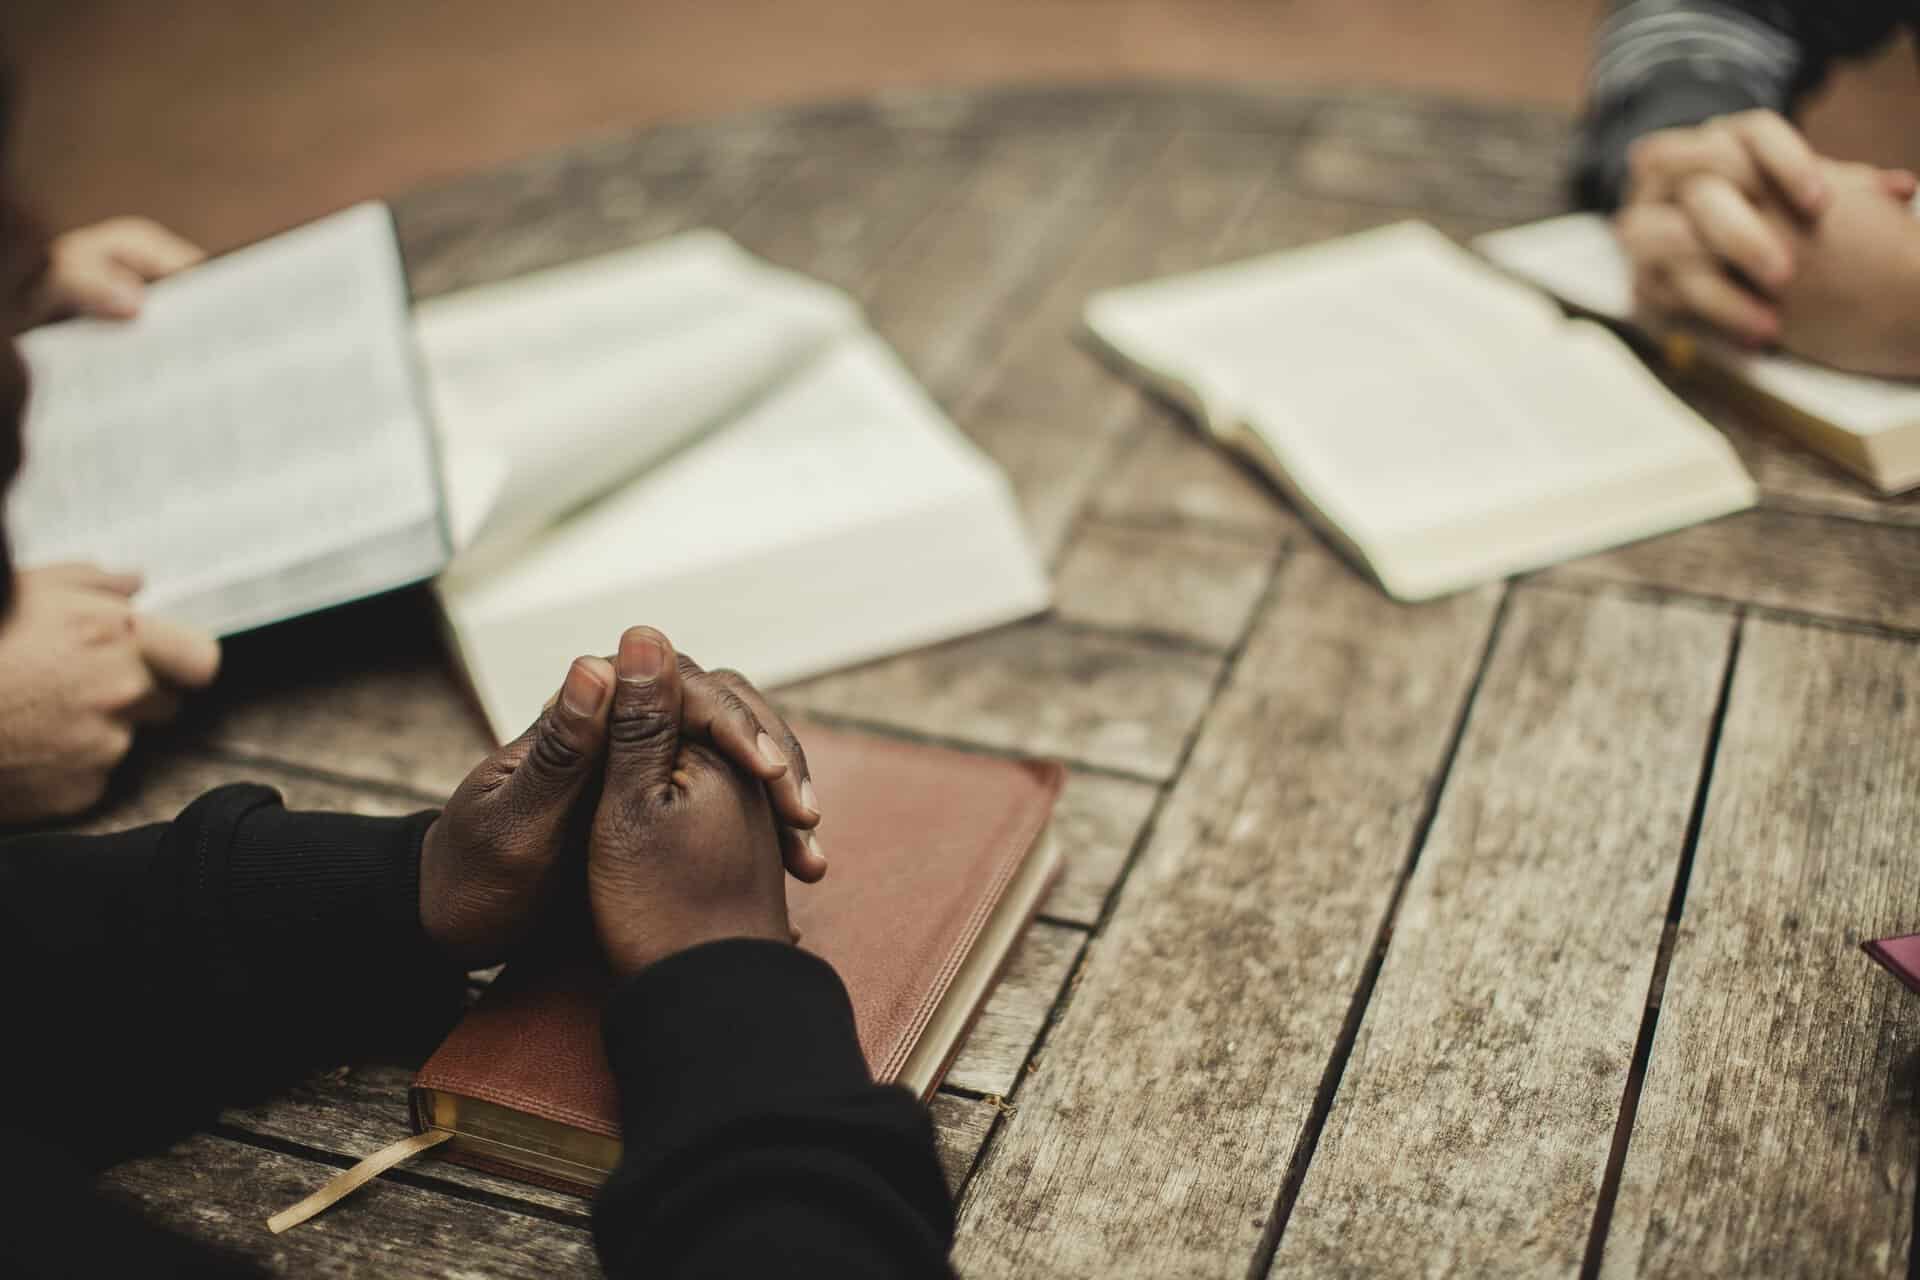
(757, 1143)
(162, 971)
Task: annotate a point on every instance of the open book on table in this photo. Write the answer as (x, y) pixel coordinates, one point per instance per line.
(1870, 426)
(825, 512)
(1445, 424)
(677, 434)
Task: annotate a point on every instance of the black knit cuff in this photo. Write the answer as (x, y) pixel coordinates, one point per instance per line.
(1669, 99)
(742, 1025)
(254, 867)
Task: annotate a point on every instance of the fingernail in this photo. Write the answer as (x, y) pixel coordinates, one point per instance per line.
(813, 846)
(642, 657)
(807, 797)
(583, 692)
(768, 752)
(125, 299)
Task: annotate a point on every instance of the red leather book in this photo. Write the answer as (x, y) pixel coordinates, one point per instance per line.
(940, 860)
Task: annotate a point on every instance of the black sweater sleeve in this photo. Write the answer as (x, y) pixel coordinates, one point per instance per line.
(1664, 63)
(154, 975)
(251, 942)
(760, 1145)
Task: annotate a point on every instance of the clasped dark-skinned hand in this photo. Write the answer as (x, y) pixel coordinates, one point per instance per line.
(493, 860)
(685, 847)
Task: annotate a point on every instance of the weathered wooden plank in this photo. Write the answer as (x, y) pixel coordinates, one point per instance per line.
(1482, 161)
(352, 1111)
(1097, 823)
(1046, 409)
(1477, 1110)
(1171, 474)
(948, 290)
(1776, 1133)
(1190, 583)
(1827, 566)
(1042, 688)
(996, 1049)
(571, 204)
(835, 216)
(165, 776)
(961, 1127)
(222, 1191)
(1154, 1134)
(365, 691)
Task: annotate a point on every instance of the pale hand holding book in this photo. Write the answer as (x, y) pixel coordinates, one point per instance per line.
(1445, 424)
(1870, 426)
(254, 442)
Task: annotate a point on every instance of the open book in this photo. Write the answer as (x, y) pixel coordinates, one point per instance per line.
(683, 435)
(1870, 426)
(1445, 424)
(254, 442)
(677, 434)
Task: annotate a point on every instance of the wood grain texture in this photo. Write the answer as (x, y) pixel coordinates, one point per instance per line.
(1479, 161)
(961, 1127)
(1041, 688)
(951, 292)
(835, 215)
(366, 691)
(1172, 475)
(1776, 1132)
(222, 1191)
(995, 1052)
(1097, 822)
(1477, 1110)
(166, 776)
(1192, 584)
(1826, 566)
(1154, 1134)
(1045, 409)
(349, 1112)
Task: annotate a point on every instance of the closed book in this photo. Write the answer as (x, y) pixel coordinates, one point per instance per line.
(940, 859)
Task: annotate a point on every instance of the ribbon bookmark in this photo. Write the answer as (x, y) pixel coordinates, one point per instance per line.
(348, 1181)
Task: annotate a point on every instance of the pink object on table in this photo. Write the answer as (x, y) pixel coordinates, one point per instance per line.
(1900, 956)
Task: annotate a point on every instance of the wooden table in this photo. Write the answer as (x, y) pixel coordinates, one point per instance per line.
(1512, 933)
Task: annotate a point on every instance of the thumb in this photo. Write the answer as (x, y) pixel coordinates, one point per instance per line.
(645, 728)
(97, 288)
(1899, 183)
(177, 654)
(563, 749)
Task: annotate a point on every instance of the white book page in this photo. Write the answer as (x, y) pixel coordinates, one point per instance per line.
(259, 415)
(1404, 386)
(553, 388)
(841, 519)
(1214, 331)
(848, 441)
(1577, 258)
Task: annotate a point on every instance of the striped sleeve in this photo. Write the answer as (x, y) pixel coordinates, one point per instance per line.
(1663, 63)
